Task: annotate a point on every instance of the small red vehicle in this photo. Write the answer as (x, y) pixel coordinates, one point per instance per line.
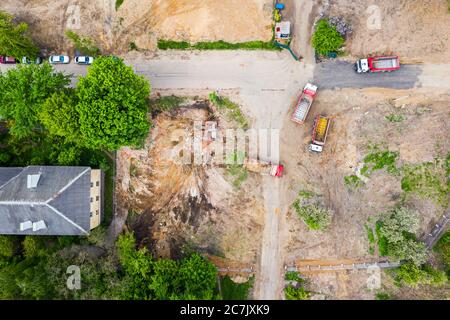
(7, 60)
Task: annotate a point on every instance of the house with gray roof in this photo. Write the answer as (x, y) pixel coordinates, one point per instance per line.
(50, 200)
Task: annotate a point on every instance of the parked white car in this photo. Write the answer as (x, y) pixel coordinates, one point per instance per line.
(58, 59)
(84, 60)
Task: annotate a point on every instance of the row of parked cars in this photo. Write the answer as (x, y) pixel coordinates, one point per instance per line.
(51, 60)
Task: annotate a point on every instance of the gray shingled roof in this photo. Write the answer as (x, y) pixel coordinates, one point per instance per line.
(61, 199)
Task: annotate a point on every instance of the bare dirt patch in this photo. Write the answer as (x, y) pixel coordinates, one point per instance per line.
(142, 22)
(175, 207)
(417, 30)
(360, 118)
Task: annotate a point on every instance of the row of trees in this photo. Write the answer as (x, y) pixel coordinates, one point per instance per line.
(106, 110)
(37, 270)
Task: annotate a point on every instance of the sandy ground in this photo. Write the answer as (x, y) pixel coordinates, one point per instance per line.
(194, 20)
(177, 207)
(142, 22)
(417, 30)
(359, 118)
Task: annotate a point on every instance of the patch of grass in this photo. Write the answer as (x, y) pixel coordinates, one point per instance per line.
(235, 291)
(118, 4)
(293, 276)
(296, 293)
(216, 45)
(230, 109)
(109, 193)
(442, 249)
(379, 160)
(133, 47)
(383, 296)
(353, 182)
(371, 238)
(429, 180)
(236, 169)
(174, 45)
(84, 44)
(167, 103)
(306, 194)
(395, 118)
(381, 240)
(315, 217)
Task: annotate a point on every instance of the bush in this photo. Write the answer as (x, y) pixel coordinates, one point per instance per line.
(315, 217)
(411, 275)
(293, 293)
(85, 45)
(398, 228)
(235, 291)
(442, 249)
(326, 38)
(9, 246)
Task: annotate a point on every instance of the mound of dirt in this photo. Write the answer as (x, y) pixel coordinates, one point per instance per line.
(174, 207)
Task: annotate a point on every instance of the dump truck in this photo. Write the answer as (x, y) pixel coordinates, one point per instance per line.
(263, 167)
(304, 104)
(378, 64)
(320, 133)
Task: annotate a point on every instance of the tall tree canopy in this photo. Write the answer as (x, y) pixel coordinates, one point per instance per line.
(112, 105)
(14, 40)
(58, 114)
(24, 90)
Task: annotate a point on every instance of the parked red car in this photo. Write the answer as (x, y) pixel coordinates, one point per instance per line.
(4, 59)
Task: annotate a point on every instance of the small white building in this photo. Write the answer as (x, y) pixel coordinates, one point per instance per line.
(283, 30)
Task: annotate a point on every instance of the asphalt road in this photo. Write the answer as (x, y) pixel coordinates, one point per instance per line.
(338, 74)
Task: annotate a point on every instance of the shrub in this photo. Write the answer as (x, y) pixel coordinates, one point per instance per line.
(9, 245)
(84, 44)
(293, 293)
(326, 38)
(411, 275)
(311, 212)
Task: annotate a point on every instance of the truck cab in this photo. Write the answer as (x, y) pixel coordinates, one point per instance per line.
(362, 66)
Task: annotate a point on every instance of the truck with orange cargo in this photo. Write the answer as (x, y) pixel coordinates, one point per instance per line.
(304, 104)
(320, 133)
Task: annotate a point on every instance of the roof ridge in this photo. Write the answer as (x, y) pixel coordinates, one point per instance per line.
(71, 182)
(67, 219)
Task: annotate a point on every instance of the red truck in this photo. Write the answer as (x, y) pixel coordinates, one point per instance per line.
(378, 64)
(264, 168)
(304, 104)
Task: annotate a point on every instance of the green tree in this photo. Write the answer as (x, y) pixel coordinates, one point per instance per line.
(112, 105)
(326, 38)
(14, 40)
(411, 275)
(197, 278)
(9, 245)
(59, 115)
(398, 227)
(24, 91)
